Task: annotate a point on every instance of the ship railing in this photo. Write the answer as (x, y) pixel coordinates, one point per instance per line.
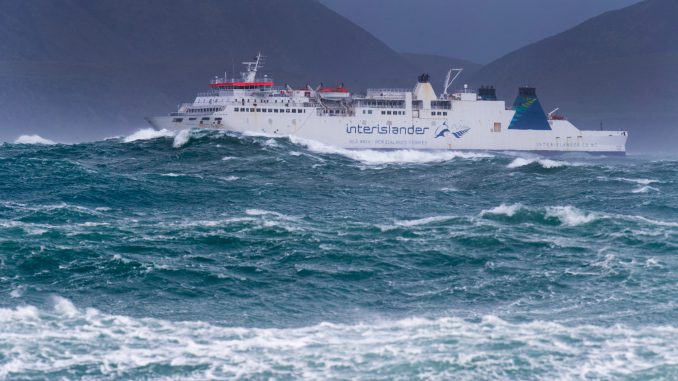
(223, 80)
(379, 103)
(214, 93)
(388, 91)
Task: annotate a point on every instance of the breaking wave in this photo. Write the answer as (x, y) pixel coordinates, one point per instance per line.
(544, 163)
(565, 215)
(181, 138)
(147, 134)
(42, 341)
(374, 157)
(33, 139)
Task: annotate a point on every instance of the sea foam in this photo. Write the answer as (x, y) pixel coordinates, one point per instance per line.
(181, 138)
(39, 341)
(147, 134)
(374, 157)
(544, 163)
(33, 139)
(566, 215)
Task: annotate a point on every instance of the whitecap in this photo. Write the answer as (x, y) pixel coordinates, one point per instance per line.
(570, 216)
(645, 189)
(449, 189)
(33, 139)
(374, 157)
(230, 178)
(638, 181)
(147, 134)
(544, 163)
(17, 292)
(181, 138)
(422, 221)
(65, 307)
(261, 212)
(396, 349)
(503, 209)
(225, 158)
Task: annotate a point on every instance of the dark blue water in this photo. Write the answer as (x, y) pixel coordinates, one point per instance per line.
(219, 256)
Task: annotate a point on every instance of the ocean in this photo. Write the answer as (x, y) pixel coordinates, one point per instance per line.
(213, 255)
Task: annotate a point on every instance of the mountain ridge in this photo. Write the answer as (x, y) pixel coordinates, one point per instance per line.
(604, 71)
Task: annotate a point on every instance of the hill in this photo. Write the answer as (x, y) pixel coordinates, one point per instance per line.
(82, 69)
(619, 69)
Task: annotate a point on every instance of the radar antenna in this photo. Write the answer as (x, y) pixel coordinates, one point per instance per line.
(253, 67)
(449, 79)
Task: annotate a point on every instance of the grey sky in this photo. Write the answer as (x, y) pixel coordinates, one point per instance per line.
(476, 30)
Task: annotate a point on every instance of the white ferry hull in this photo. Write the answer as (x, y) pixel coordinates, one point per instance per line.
(406, 133)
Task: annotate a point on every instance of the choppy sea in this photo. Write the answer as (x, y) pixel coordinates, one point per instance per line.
(208, 255)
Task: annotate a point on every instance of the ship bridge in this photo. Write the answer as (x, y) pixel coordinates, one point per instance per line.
(248, 79)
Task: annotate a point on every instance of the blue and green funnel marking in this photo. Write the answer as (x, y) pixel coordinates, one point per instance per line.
(529, 113)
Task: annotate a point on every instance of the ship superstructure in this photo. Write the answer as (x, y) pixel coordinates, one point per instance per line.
(387, 118)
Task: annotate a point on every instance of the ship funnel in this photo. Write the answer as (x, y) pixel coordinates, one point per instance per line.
(424, 91)
(529, 115)
(487, 93)
(527, 92)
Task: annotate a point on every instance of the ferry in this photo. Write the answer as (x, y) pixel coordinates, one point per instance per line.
(388, 118)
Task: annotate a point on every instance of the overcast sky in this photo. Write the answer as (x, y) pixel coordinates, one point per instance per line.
(476, 30)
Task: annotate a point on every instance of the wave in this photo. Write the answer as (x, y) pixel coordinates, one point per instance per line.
(570, 216)
(88, 342)
(181, 138)
(566, 215)
(503, 209)
(33, 139)
(374, 157)
(638, 181)
(645, 189)
(423, 221)
(148, 134)
(544, 163)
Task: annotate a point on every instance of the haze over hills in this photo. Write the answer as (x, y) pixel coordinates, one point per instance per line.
(619, 68)
(82, 69)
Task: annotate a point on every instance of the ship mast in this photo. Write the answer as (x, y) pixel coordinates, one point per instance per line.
(252, 67)
(449, 79)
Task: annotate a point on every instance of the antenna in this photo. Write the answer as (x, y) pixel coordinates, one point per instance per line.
(449, 79)
(552, 112)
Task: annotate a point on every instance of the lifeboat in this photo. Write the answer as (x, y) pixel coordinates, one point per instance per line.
(338, 92)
